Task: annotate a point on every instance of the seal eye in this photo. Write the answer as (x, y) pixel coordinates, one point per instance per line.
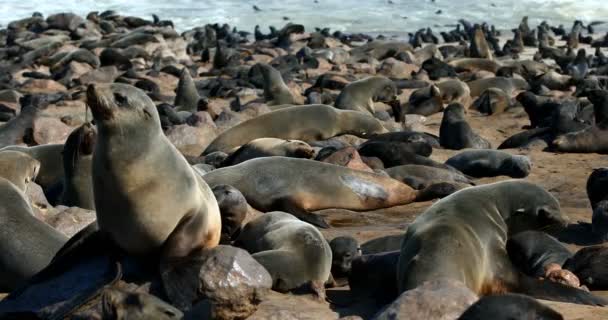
(120, 99)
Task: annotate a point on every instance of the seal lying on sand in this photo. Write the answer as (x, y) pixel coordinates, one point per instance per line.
(298, 186)
(361, 94)
(491, 163)
(269, 147)
(462, 237)
(307, 123)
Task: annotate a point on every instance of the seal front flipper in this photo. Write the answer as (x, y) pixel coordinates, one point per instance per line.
(289, 206)
(549, 290)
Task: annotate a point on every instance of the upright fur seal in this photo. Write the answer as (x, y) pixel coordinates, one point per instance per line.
(28, 244)
(268, 147)
(361, 94)
(462, 237)
(491, 163)
(294, 252)
(455, 133)
(314, 122)
(298, 186)
(276, 91)
(187, 96)
(597, 191)
(147, 197)
(77, 165)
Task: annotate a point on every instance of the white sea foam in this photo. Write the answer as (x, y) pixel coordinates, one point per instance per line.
(344, 15)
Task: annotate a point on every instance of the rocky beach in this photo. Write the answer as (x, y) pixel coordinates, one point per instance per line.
(124, 140)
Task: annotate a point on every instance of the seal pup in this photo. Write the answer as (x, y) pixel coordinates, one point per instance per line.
(299, 186)
(268, 147)
(455, 133)
(425, 101)
(394, 154)
(593, 139)
(533, 251)
(375, 276)
(187, 96)
(147, 197)
(508, 85)
(77, 164)
(589, 265)
(28, 244)
(509, 306)
(276, 91)
(597, 191)
(294, 252)
(18, 168)
(420, 176)
(361, 94)
(343, 251)
(314, 122)
(463, 237)
(233, 209)
(491, 163)
(492, 101)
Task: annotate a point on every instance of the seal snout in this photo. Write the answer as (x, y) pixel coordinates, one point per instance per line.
(95, 101)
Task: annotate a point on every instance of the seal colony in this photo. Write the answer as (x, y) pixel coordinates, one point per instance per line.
(260, 162)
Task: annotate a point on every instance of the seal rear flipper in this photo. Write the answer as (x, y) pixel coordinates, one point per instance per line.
(549, 290)
(289, 206)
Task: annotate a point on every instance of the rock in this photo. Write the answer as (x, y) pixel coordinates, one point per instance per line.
(121, 304)
(437, 299)
(50, 130)
(42, 86)
(70, 220)
(394, 68)
(348, 157)
(191, 141)
(65, 21)
(230, 279)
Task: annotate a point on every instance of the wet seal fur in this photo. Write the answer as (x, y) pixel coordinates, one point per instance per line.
(299, 186)
(463, 237)
(491, 163)
(314, 122)
(148, 199)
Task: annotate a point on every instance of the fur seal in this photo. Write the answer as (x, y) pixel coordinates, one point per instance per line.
(233, 209)
(187, 96)
(394, 154)
(299, 186)
(375, 275)
(13, 131)
(268, 147)
(276, 91)
(597, 191)
(407, 136)
(589, 265)
(592, 139)
(420, 176)
(492, 101)
(77, 164)
(533, 251)
(508, 85)
(475, 64)
(455, 133)
(463, 237)
(343, 251)
(169, 208)
(491, 163)
(18, 168)
(294, 252)
(28, 244)
(361, 94)
(382, 244)
(315, 122)
(509, 306)
(425, 101)
(479, 46)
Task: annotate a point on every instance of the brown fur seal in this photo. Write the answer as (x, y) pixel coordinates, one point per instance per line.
(294, 252)
(508, 85)
(147, 196)
(276, 91)
(77, 164)
(463, 237)
(233, 209)
(593, 139)
(589, 265)
(420, 177)
(28, 244)
(14, 130)
(430, 100)
(508, 307)
(532, 251)
(474, 64)
(51, 164)
(314, 122)
(491, 163)
(597, 191)
(455, 133)
(268, 147)
(187, 96)
(298, 186)
(343, 250)
(18, 168)
(479, 45)
(361, 94)
(492, 101)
